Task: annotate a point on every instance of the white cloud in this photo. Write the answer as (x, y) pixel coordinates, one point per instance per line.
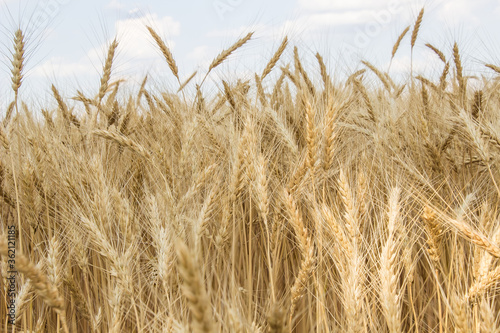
(426, 65)
(313, 22)
(133, 11)
(116, 4)
(316, 21)
(134, 44)
(135, 41)
(239, 31)
(336, 5)
(200, 53)
(457, 12)
(63, 67)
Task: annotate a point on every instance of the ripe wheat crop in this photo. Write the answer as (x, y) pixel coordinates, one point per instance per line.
(284, 203)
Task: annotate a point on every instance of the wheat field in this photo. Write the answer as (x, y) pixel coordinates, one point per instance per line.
(289, 202)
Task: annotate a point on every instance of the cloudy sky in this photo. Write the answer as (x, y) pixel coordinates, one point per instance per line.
(67, 39)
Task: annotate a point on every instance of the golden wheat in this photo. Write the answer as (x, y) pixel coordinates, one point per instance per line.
(294, 202)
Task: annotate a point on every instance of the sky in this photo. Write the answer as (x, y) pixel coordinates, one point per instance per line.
(67, 40)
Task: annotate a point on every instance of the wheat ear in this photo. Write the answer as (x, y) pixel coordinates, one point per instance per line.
(66, 113)
(488, 281)
(18, 61)
(459, 311)
(300, 285)
(442, 78)
(106, 72)
(389, 296)
(398, 41)
(123, 141)
(300, 68)
(493, 67)
(460, 76)
(260, 91)
(379, 74)
(166, 53)
(329, 136)
(194, 290)
(277, 55)
(414, 35)
(397, 44)
(311, 137)
(437, 51)
(324, 73)
(185, 83)
(488, 317)
(46, 290)
(475, 237)
(276, 319)
(433, 233)
(364, 94)
(227, 52)
(416, 28)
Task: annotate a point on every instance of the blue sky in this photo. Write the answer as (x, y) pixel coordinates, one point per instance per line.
(67, 39)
